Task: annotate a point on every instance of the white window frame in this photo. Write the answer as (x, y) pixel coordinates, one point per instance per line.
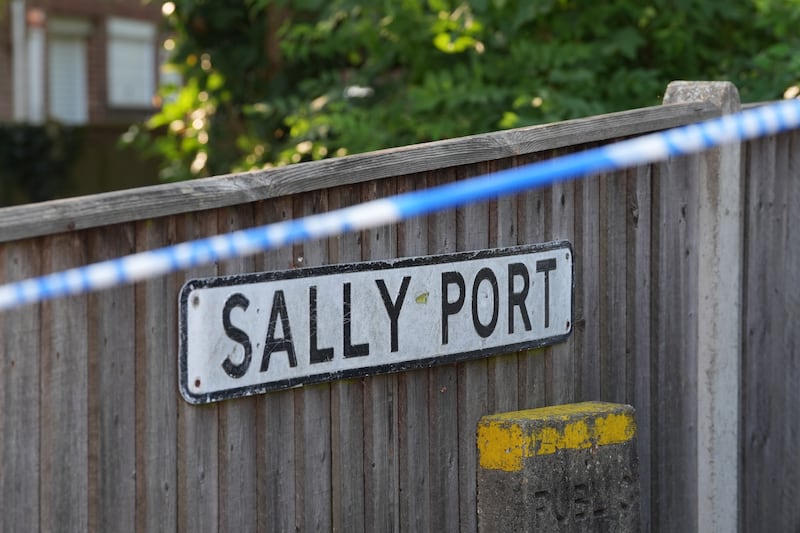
(122, 33)
(75, 31)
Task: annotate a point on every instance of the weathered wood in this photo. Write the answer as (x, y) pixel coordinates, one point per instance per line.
(764, 409)
(502, 371)
(277, 427)
(198, 429)
(473, 227)
(395, 452)
(20, 372)
(413, 428)
(63, 409)
(380, 400)
(156, 396)
(211, 193)
(313, 405)
(112, 373)
(443, 396)
(675, 374)
(238, 444)
(788, 467)
(613, 286)
(347, 401)
(562, 355)
(639, 323)
(588, 284)
(531, 364)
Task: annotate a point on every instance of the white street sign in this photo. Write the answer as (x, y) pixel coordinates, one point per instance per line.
(254, 333)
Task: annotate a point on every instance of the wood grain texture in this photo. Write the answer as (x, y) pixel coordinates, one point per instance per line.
(313, 405)
(90, 410)
(473, 224)
(276, 425)
(770, 342)
(588, 284)
(347, 400)
(614, 271)
(211, 193)
(20, 372)
(502, 371)
(443, 396)
(238, 444)
(562, 355)
(640, 292)
(674, 454)
(156, 393)
(198, 428)
(532, 225)
(112, 386)
(64, 427)
(380, 399)
(413, 417)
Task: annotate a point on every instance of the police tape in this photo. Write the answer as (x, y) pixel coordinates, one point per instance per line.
(760, 121)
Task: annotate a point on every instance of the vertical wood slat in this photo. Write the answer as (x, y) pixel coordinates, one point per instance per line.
(238, 442)
(675, 381)
(313, 406)
(502, 370)
(473, 227)
(112, 385)
(64, 397)
(443, 396)
(20, 373)
(277, 426)
(562, 355)
(763, 412)
(380, 397)
(789, 466)
(613, 190)
(347, 402)
(587, 326)
(532, 228)
(639, 324)
(413, 426)
(156, 378)
(198, 430)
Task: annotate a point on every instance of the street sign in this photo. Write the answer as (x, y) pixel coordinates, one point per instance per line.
(254, 333)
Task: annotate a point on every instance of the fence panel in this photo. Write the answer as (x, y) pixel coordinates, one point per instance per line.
(389, 452)
(771, 356)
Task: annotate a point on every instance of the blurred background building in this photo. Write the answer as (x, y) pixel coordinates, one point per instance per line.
(74, 74)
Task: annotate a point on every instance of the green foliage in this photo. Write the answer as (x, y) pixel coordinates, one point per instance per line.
(270, 82)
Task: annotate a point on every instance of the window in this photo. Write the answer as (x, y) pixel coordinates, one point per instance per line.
(67, 70)
(131, 63)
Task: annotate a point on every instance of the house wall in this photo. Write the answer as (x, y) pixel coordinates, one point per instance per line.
(96, 14)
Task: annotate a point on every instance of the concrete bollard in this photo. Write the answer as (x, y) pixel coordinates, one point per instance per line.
(563, 468)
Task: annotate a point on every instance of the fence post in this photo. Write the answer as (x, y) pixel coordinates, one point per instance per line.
(719, 290)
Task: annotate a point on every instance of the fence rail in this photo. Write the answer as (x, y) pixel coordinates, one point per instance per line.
(94, 434)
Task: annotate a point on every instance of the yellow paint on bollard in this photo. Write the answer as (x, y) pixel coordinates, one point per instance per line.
(505, 440)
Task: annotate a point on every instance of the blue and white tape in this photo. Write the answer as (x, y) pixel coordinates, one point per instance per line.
(757, 122)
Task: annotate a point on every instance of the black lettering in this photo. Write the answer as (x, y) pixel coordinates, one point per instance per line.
(546, 266)
(393, 308)
(317, 355)
(282, 344)
(517, 299)
(359, 350)
(237, 335)
(485, 274)
(448, 307)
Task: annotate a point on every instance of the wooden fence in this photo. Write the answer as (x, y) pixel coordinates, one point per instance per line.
(94, 434)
